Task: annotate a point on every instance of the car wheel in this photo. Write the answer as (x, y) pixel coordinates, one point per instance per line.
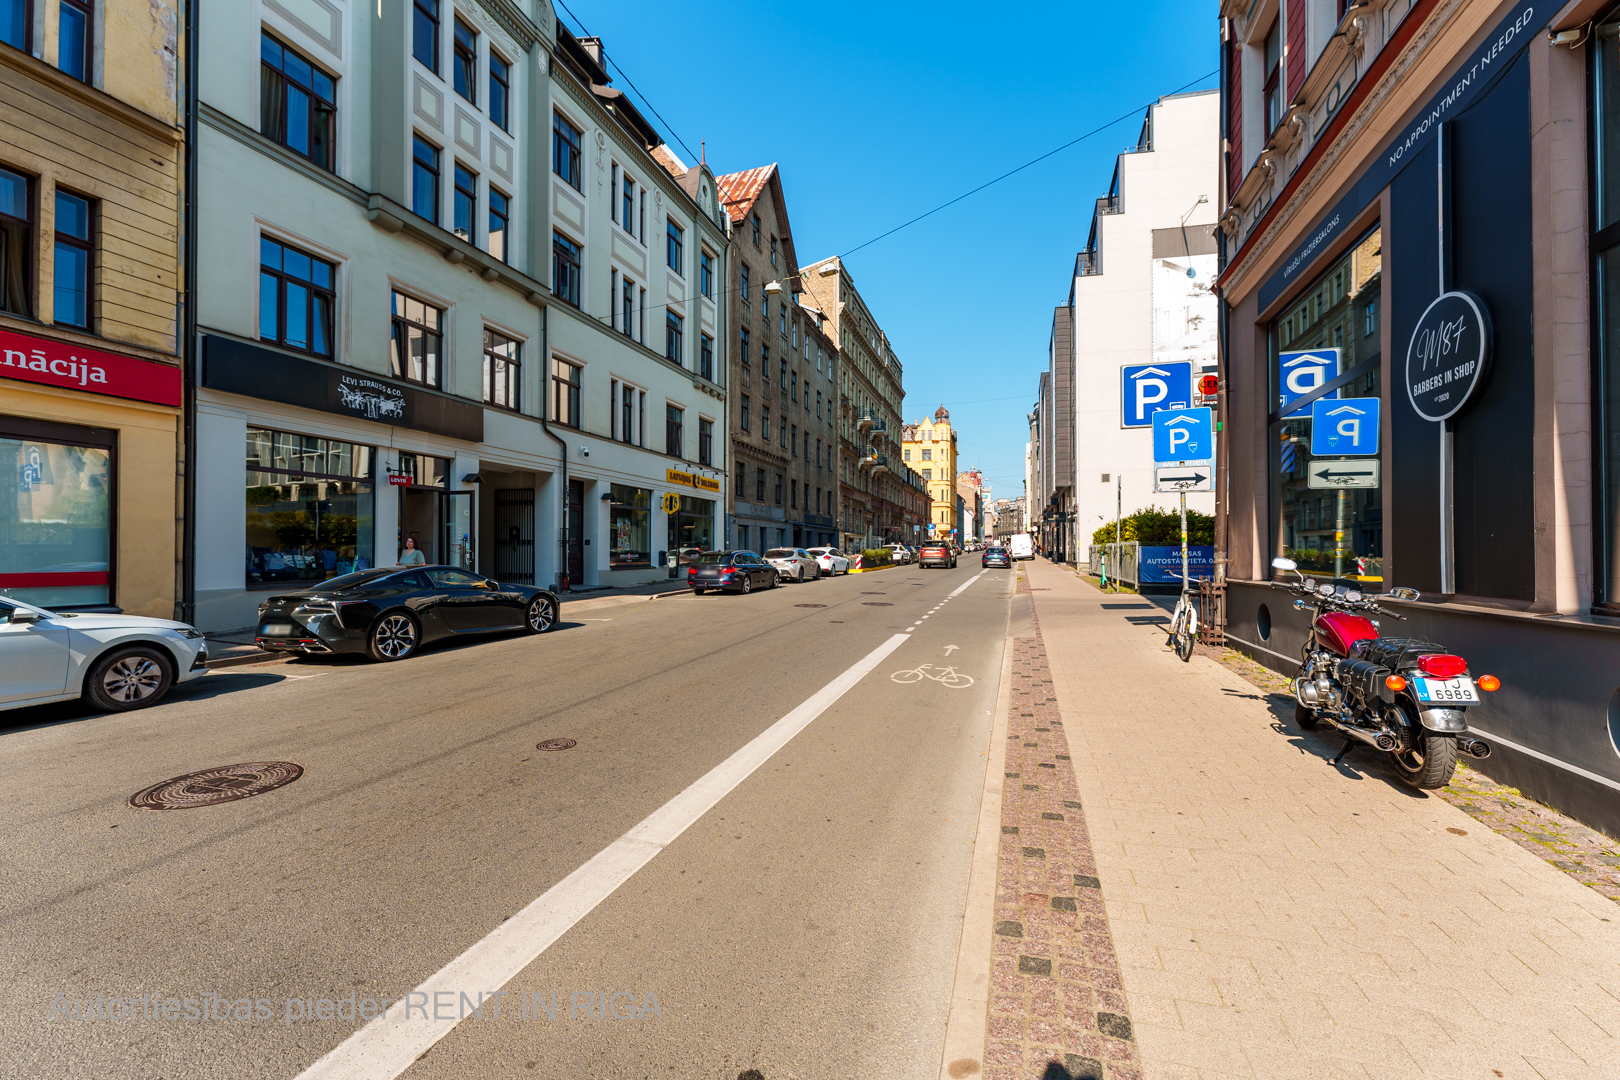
(393, 637)
(776, 579)
(696, 591)
(747, 584)
(131, 678)
(800, 576)
(541, 616)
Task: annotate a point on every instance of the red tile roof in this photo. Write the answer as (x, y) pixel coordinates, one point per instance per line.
(738, 190)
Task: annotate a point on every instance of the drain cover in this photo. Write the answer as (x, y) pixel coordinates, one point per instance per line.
(809, 605)
(557, 744)
(875, 603)
(227, 783)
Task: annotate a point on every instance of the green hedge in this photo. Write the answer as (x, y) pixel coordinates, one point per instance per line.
(1150, 525)
(876, 557)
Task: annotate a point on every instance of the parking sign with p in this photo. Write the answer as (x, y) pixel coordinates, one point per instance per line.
(1342, 427)
(1147, 388)
(1183, 435)
(1299, 373)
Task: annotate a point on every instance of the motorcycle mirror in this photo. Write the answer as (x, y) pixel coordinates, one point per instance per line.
(1284, 564)
(1404, 594)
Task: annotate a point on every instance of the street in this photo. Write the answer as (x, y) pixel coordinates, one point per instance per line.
(807, 925)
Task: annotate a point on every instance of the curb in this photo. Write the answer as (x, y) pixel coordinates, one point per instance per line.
(874, 569)
(258, 656)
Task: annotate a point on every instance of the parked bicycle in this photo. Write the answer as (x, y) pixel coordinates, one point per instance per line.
(1184, 622)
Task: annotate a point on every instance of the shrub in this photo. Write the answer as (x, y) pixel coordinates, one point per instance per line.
(1152, 526)
(876, 557)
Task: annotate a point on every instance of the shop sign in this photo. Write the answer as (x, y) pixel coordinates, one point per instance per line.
(1449, 355)
(370, 398)
(671, 503)
(399, 479)
(61, 363)
(691, 480)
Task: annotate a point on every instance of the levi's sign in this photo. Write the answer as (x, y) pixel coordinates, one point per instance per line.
(1449, 355)
(59, 363)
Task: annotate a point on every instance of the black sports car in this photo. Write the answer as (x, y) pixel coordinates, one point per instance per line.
(727, 571)
(390, 613)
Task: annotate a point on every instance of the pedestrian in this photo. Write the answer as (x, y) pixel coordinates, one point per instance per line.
(410, 556)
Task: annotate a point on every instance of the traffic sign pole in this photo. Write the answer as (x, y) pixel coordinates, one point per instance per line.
(1183, 541)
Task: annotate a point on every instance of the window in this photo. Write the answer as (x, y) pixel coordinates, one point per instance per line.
(759, 485)
(794, 383)
(502, 373)
(628, 304)
(1605, 246)
(1273, 91)
(773, 251)
(778, 489)
(500, 92)
(927, 454)
(706, 356)
(297, 103)
(643, 309)
(673, 417)
(928, 474)
(627, 190)
(309, 508)
(756, 230)
(674, 349)
(425, 179)
(564, 269)
(565, 152)
(765, 424)
(675, 248)
(793, 494)
(743, 350)
(765, 311)
(765, 364)
(466, 203)
(415, 340)
(706, 274)
(641, 417)
(16, 243)
(742, 280)
(565, 407)
(613, 194)
(794, 441)
(72, 267)
(705, 442)
(465, 75)
(782, 432)
(627, 414)
(500, 217)
(14, 20)
(745, 413)
(629, 526)
(905, 455)
(297, 295)
(425, 34)
(75, 38)
(818, 415)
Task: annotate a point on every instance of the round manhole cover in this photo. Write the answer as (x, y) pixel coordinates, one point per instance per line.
(875, 603)
(557, 744)
(212, 786)
(809, 605)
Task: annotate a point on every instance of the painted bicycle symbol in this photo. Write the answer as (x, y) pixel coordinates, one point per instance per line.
(949, 676)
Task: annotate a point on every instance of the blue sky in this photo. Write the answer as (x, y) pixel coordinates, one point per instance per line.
(877, 112)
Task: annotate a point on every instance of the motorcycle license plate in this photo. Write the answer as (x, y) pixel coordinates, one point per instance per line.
(1446, 691)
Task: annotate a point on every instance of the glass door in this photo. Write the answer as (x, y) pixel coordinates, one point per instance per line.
(458, 530)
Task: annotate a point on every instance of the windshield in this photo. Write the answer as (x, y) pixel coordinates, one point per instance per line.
(779, 553)
(712, 558)
(352, 581)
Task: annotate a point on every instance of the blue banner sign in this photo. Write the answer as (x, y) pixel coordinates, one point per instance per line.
(1162, 565)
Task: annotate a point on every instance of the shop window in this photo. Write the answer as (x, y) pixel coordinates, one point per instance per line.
(15, 242)
(56, 518)
(630, 527)
(502, 372)
(1328, 530)
(691, 529)
(73, 258)
(297, 297)
(297, 102)
(309, 508)
(415, 340)
(1605, 143)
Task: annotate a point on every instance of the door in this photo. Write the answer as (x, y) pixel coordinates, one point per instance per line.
(458, 529)
(576, 532)
(514, 536)
(33, 658)
(461, 602)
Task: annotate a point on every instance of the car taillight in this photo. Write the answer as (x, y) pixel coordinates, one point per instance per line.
(1442, 666)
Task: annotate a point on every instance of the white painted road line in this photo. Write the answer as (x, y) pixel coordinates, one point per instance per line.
(962, 588)
(389, 1044)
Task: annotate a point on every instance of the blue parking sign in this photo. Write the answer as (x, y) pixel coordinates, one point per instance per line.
(1183, 435)
(1147, 388)
(1298, 373)
(1343, 427)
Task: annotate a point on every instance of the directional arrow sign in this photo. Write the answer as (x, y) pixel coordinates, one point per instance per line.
(1328, 473)
(1183, 478)
(1183, 436)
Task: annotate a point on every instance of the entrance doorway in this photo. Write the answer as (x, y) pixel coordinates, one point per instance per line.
(514, 535)
(441, 524)
(576, 532)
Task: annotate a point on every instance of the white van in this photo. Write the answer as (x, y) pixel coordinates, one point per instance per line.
(1021, 546)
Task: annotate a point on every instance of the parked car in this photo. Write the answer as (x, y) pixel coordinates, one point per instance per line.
(794, 564)
(937, 554)
(832, 561)
(995, 556)
(118, 662)
(1021, 546)
(730, 571)
(389, 613)
(901, 553)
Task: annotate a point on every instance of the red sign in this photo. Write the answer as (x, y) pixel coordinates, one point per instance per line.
(399, 479)
(60, 363)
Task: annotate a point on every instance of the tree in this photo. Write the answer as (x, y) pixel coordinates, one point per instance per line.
(1155, 527)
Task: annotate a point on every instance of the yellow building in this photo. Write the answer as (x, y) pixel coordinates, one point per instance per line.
(929, 446)
(90, 383)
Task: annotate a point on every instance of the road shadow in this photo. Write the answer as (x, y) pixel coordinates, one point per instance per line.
(1361, 763)
(215, 684)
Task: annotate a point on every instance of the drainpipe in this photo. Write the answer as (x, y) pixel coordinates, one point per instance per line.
(188, 327)
(562, 491)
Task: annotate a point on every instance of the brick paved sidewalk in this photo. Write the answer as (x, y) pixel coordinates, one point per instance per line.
(1272, 915)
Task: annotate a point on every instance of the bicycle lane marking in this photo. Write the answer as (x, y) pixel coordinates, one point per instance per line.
(390, 1044)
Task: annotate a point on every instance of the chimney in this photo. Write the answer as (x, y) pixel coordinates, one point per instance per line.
(593, 46)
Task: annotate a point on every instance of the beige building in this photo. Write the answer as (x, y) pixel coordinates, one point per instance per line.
(929, 446)
(90, 377)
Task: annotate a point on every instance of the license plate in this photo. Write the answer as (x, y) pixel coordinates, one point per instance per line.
(1446, 691)
(279, 629)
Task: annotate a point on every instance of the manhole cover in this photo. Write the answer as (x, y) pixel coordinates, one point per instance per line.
(225, 784)
(809, 605)
(875, 603)
(557, 744)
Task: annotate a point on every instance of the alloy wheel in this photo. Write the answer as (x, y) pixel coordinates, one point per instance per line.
(542, 615)
(132, 679)
(747, 583)
(395, 637)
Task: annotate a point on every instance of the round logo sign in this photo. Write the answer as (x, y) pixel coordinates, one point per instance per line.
(1449, 355)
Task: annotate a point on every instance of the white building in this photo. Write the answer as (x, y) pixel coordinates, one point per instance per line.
(451, 289)
(1142, 297)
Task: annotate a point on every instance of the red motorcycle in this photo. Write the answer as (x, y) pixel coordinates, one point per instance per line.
(1401, 695)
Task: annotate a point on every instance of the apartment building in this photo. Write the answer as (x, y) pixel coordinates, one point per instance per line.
(929, 446)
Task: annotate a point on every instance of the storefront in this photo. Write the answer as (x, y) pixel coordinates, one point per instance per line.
(1414, 359)
(89, 449)
(692, 522)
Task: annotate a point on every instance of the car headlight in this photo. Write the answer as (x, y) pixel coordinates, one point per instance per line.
(192, 633)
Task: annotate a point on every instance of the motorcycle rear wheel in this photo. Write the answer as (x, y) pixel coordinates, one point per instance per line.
(1430, 764)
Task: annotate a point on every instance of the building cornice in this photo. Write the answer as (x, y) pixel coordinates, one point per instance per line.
(99, 99)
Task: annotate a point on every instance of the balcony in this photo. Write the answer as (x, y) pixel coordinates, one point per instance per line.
(874, 460)
(864, 422)
(879, 429)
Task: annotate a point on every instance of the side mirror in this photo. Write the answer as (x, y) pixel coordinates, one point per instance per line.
(1404, 594)
(1284, 564)
(24, 615)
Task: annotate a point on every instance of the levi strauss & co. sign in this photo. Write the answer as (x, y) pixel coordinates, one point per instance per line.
(1449, 355)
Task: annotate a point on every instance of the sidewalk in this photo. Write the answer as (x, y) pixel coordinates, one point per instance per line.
(1275, 916)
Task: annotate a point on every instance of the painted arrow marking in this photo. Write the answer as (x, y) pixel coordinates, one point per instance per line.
(951, 648)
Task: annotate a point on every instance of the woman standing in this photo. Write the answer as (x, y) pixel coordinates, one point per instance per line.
(410, 556)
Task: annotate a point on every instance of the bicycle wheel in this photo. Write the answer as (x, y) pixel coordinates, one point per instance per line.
(906, 676)
(1184, 644)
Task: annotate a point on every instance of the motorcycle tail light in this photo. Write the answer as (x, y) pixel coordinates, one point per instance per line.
(1443, 666)
(1489, 682)
(1395, 683)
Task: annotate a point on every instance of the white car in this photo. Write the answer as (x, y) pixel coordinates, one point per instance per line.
(118, 662)
(793, 564)
(901, 553)
(831, 561)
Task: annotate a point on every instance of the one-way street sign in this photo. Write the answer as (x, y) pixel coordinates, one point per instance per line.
(1328, 473)
(1183, 478)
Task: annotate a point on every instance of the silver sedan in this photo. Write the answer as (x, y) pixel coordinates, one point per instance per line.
(793, 564)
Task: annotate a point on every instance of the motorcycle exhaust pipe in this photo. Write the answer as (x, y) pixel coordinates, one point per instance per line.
(1476, 747)
(1379, 740)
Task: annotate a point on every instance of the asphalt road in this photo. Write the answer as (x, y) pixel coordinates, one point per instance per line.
(805, 924)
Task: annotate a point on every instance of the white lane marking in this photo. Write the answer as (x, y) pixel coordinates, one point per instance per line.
(962, 588)
(389, 1044)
